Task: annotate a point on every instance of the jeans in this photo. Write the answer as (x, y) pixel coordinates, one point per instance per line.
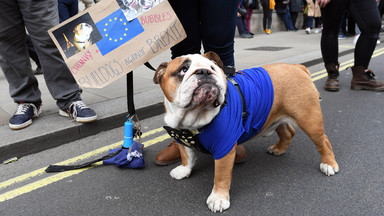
(287, 21)
(67, 9)
(241, 26)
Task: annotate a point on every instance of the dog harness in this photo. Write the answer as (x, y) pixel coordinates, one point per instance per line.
(233, 123)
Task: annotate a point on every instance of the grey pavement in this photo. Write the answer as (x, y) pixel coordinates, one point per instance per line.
(50, 130)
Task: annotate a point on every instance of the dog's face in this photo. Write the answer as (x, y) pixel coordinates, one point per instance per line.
(194, 87)
(83, 32)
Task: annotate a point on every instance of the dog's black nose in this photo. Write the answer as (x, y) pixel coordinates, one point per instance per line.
(203, 72)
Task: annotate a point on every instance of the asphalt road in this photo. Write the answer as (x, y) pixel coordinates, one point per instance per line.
(291, 184)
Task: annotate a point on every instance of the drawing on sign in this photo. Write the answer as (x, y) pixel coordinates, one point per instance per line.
(77, 35)
(134, 8)
(116, 30)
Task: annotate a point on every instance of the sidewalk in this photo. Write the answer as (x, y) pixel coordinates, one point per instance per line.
(51, 130)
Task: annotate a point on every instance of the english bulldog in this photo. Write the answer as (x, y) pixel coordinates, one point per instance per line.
(208, 111)
(82, 38)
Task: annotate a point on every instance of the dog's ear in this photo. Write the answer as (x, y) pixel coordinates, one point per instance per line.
(214, 57)
(160, 72)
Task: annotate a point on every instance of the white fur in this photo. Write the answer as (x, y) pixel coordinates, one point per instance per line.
(181, 171)
(328, 169)
(217, 203)
(82, 34)
(181, 113)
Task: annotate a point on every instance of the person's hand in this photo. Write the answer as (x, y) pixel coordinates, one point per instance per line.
(323, 3)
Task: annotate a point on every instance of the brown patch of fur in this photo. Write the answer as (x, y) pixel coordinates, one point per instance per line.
(164, 72)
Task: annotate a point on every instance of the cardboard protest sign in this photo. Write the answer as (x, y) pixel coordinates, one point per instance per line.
(113, 37)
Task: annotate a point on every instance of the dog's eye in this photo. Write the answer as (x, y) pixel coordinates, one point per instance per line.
(183, 70)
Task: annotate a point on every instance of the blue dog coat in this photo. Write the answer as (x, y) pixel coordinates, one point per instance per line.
(228, 127)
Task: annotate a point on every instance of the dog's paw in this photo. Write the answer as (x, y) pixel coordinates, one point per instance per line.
(275, 151)
(328, 169)
(217, 202)
(180, 172)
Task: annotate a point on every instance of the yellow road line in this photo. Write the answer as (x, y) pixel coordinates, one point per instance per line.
(72, 160)
(323, 73)
(57, 177)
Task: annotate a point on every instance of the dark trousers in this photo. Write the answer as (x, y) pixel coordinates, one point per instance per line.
(294, 16)
(267, 15)
(211, 23)
(241, 26)
(67, 9)
(367, 17)
(38, 17)
(32, 51)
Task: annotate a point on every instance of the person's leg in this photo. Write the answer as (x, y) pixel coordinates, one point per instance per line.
(265, 7)
(242, 28)
(287, 21)
(14, 58)
(218, 22)
(332, 16)
(63, 10)
(351, 25)
(248, 19)
(368, 19)
(239, 25)
(73, 8)
(40, 16)
(32, 52)
(269, 17)
(188, 15)
(294, 16)
(310, 22)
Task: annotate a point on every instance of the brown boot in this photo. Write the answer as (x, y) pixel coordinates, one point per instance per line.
(241, 154)
(169, 155)
(365, 80)
(332, 83)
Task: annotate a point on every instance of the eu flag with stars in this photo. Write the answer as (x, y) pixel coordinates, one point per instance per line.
(116, 30)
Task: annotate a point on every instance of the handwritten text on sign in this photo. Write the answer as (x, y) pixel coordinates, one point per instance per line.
(115, 68)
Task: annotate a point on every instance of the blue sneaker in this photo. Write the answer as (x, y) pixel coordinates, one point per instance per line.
(80, 112)
(23, 116)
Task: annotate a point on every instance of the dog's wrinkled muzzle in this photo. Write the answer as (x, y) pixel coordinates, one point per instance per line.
(206, 93)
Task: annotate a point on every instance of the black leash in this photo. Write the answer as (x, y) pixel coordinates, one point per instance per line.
(131, 114)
